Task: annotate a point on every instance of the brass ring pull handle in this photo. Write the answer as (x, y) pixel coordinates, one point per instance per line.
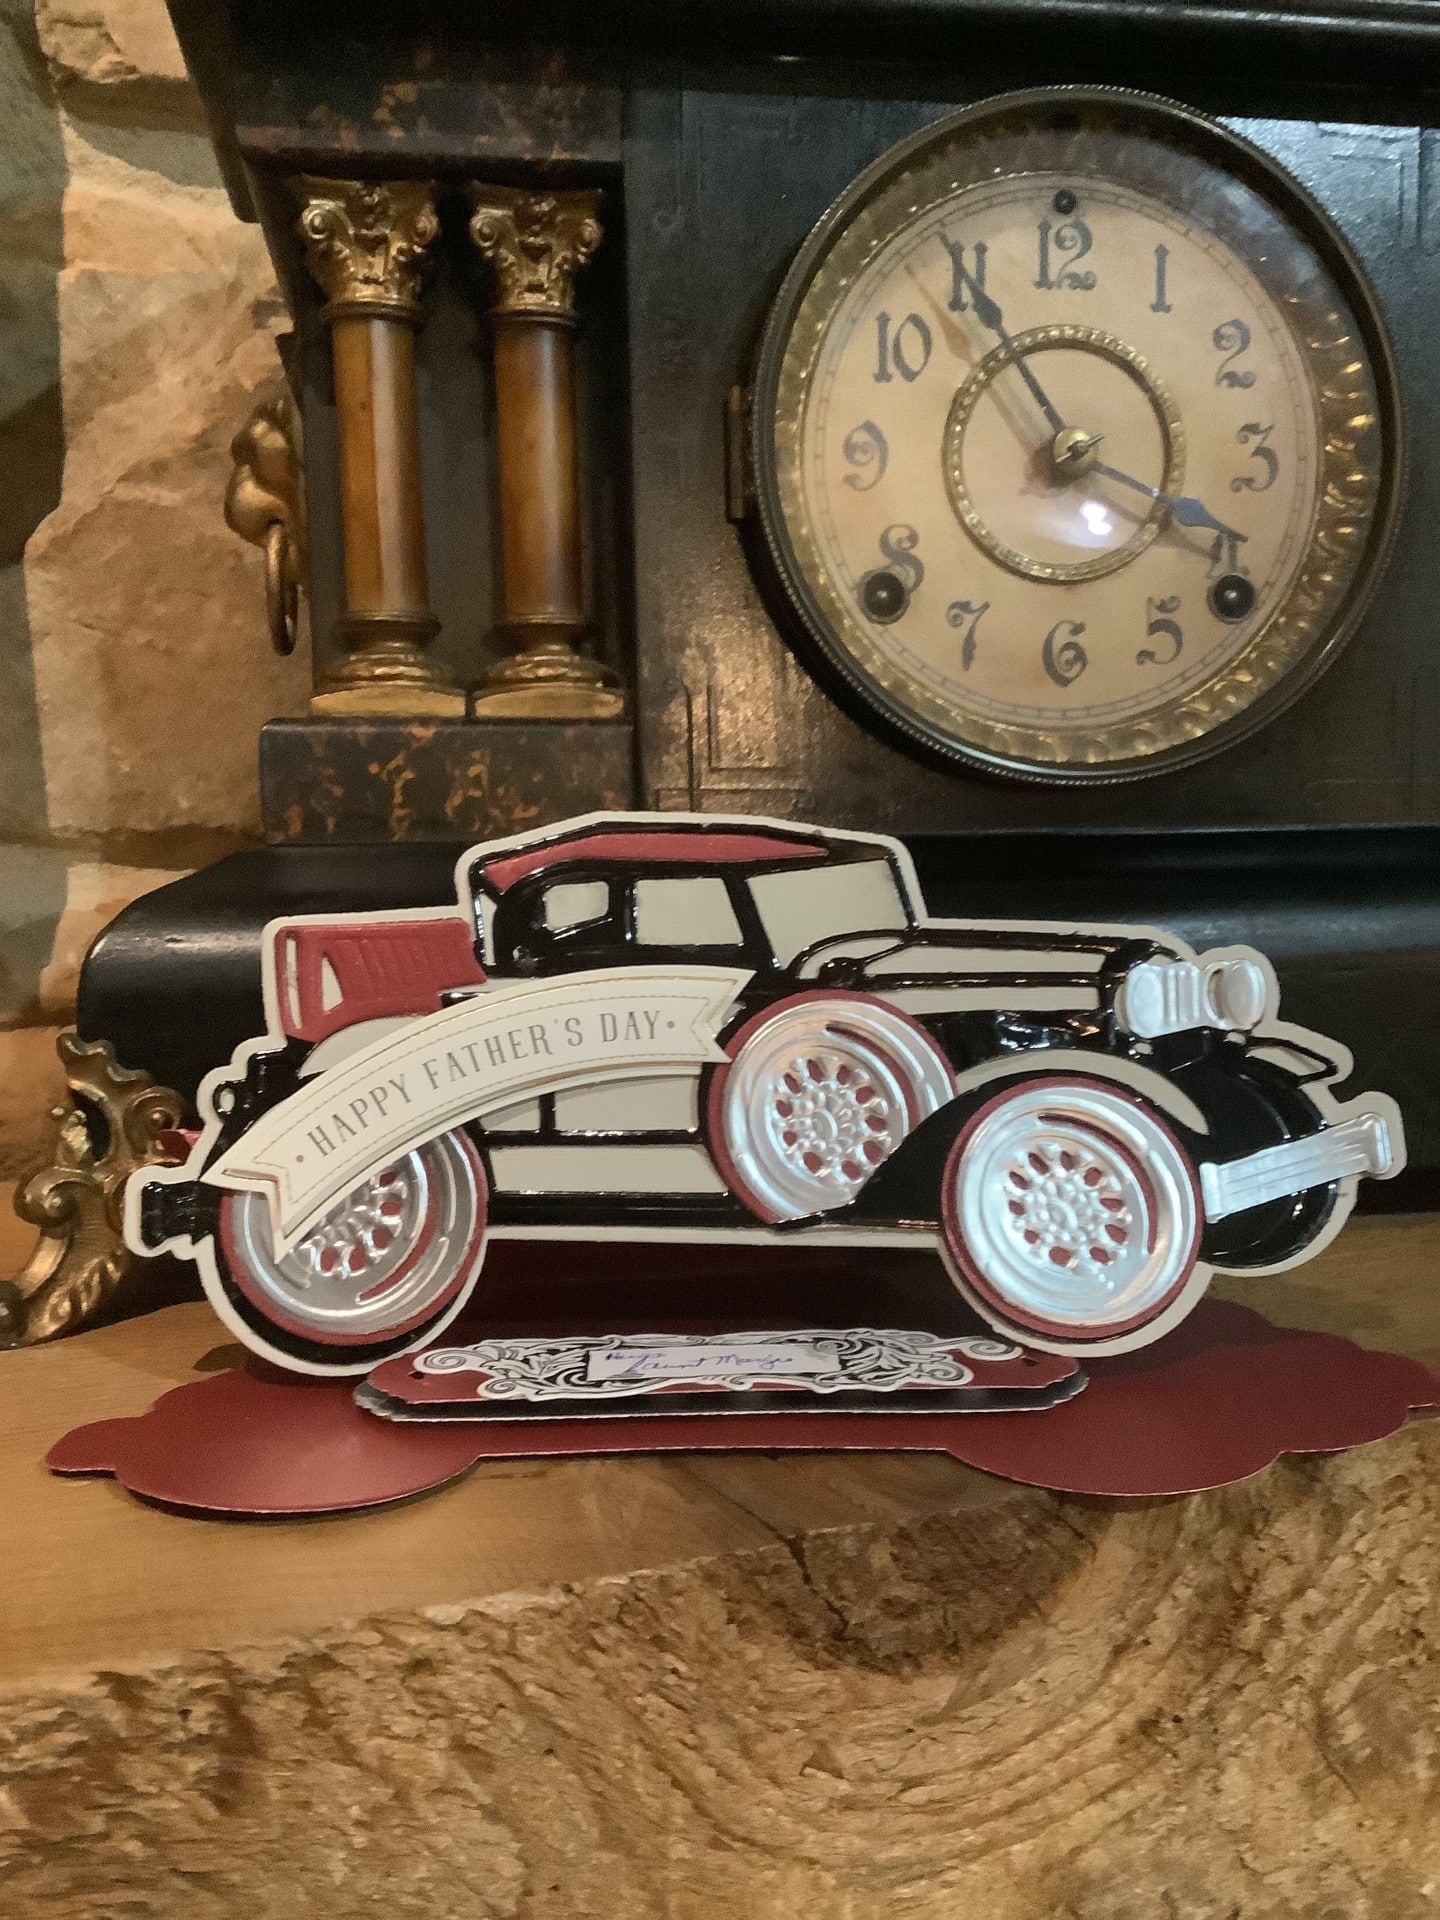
(265, 504)
(282, 589)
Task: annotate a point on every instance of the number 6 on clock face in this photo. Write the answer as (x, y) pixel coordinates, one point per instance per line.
(1076, 438)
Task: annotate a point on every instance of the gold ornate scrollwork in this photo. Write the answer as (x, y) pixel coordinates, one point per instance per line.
(365, 241)
(265, 504)
(112, 1124)
(537, 243)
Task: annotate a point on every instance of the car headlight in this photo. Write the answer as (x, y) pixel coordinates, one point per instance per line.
(1157, 997)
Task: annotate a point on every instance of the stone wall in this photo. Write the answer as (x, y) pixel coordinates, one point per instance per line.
(138, 317)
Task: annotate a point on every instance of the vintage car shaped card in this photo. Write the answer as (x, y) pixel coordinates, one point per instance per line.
(682, 1027)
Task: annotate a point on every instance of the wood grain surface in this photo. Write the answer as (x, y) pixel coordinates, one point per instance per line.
(752, 1685)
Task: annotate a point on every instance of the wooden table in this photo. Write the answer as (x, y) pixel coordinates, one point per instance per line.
(827, 1685)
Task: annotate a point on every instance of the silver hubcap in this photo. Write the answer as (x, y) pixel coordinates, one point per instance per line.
(361, 1242)
(833, 1118)
(1075, 1204)
(378, 1259)
(1076, 1207)
(820, 1096)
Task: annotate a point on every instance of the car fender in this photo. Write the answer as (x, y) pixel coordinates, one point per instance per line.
(907, 1186)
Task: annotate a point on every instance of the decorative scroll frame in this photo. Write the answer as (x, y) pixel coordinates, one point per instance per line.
(114, 1122)
(880, 1360)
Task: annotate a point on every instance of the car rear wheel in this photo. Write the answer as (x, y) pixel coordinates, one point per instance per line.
(1072, 1216)
(382, 1271)
(820, 1092)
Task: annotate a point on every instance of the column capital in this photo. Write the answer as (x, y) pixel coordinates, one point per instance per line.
(365, 241)
(537, 243)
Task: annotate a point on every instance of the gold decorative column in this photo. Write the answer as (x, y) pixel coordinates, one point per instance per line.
(537, 242)
(364, 243)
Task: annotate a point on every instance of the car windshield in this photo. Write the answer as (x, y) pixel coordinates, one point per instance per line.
(799, 908)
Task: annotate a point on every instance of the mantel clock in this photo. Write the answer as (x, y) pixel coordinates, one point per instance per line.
(1076, 438)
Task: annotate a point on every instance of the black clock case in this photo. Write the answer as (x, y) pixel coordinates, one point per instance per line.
(720, 133)
(730, 720)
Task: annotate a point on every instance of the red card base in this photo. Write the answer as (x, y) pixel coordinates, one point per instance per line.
(1219, 1399)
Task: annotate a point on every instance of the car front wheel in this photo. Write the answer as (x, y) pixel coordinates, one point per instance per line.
(1071, 1216)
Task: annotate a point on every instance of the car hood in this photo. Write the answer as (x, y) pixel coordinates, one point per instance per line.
(964, 952)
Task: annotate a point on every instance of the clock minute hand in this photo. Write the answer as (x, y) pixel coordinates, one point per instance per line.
(989, 315)
(1185, 509)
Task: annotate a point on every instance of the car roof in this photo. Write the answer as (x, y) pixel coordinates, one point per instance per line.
(645, 845)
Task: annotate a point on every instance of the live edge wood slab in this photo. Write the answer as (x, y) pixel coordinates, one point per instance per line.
(745, 1686)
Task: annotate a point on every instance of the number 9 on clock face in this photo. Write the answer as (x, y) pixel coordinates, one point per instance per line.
(1076, 438)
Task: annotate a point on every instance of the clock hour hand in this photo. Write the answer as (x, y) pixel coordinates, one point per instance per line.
(1185, 509)
(989, 315)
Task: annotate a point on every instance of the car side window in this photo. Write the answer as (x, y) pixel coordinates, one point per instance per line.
(693, 911)
(545, 927)
(574, 903)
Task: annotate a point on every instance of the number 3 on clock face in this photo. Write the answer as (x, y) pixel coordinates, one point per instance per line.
(1076, 438)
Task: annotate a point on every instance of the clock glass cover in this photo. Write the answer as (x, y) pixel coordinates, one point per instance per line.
(1076, 438)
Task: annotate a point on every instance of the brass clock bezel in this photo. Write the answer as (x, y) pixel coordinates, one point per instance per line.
(1285, 655)
(1087, 339)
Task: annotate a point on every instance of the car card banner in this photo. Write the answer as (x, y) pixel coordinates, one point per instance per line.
(446, 1068)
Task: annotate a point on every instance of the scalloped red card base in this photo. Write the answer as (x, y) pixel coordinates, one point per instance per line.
(1219, 1399)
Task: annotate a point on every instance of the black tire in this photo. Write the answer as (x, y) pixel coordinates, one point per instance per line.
(1256, 1105)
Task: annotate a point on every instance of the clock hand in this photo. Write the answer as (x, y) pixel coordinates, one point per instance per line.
(989, 315)
(1185, 509)
(1072, 447)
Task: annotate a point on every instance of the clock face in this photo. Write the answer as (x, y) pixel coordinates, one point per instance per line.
(1076, 437)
